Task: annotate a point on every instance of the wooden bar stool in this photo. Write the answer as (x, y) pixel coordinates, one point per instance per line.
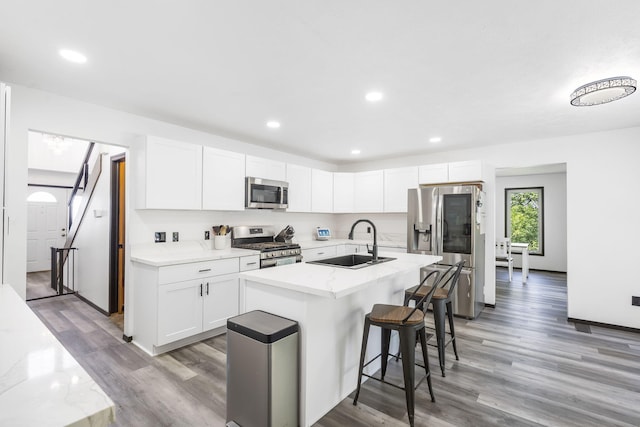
(409, 322)
(441, 303)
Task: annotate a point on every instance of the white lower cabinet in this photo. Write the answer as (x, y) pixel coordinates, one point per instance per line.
(319, 253)
(178, 302)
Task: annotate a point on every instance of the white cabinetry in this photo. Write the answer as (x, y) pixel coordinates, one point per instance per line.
(396, 183)
(222, 180)
(265, 168)
(299, 179)
(343, 190)
(466, 171)
(321, 191)
(319, 253)
(433, 174)
(368, 189)
(168, 174)
(179, 302)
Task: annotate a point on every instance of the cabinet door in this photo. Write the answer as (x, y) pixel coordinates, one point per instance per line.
(222, 180)
(396, 184)
(265, 168)
(221, 300)
(343, 190)
(321, 191)
(465, 171)
(368, 191)
(179, 311)
(433, 174)
(173, 174)
(299, 179)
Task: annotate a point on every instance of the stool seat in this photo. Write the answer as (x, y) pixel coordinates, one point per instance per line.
(395, 314)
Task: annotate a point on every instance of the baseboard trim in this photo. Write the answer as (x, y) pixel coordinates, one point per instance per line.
(603, 325)
(92, 304)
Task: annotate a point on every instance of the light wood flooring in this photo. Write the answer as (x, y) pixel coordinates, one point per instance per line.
(521, 364)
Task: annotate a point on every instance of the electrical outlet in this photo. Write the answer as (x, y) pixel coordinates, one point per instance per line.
(206, 235)
(635, 301)
(176, 236)
(160, 237)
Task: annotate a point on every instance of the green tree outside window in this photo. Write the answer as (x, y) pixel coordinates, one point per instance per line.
(524, 217)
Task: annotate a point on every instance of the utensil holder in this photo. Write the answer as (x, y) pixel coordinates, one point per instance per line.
(219, 242)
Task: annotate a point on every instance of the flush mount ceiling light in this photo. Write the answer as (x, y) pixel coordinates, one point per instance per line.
(355, 151)
(603, 91)
(374, 96)
(73, 56)
(273, 124)
(435, 139)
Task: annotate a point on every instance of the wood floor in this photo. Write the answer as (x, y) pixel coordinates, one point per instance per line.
(521, 364)
(39, 285)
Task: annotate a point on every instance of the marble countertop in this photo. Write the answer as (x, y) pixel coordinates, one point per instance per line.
(163, 254)
(311, 244)
(41, 384)
(336, 282)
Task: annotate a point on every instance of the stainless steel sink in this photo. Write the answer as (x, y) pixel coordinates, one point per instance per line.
(352, 261)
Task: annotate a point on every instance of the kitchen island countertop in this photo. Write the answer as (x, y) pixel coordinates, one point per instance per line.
(337, 282)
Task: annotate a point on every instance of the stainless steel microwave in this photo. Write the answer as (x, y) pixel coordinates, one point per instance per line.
(266, 194)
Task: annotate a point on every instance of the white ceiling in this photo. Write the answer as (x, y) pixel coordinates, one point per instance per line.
(474, 73)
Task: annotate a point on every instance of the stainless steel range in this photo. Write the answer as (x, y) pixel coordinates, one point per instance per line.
(262, 238)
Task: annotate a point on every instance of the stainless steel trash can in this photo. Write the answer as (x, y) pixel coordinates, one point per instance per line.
(262, 370)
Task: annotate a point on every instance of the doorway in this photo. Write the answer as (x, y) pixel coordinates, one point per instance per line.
(117, 239)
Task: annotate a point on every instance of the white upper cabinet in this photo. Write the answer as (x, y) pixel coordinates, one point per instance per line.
(465, 171)
(343, 190)
(299, 179)
(368, 189)
(222, 180)
(266, 168)
(433, 174)
(396, 183)
(169, 174)
(321, 191)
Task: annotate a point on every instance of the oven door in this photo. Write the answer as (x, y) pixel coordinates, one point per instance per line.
(285, 260)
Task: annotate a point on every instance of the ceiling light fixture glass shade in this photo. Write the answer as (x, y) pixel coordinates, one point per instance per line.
(603, 91)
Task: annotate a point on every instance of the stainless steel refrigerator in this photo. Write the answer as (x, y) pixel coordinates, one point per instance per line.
(446, 220)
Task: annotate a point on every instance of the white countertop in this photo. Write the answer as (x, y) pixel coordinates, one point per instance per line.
(41, 384)
(311, 244)
(336, 282)
(163, 254)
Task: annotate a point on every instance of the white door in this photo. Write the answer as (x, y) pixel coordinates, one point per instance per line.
(46, 227)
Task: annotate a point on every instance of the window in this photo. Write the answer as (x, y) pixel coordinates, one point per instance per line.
(524, 217)
(41, 197)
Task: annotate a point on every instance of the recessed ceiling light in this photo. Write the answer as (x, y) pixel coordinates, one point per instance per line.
(355, 151)
(374, 96)
(435, 139)
(273, 124)
(73, 56)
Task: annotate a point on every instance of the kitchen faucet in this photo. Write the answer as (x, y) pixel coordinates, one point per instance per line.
(374, 251)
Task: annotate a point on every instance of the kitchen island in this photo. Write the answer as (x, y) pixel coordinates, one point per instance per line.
(330, 303)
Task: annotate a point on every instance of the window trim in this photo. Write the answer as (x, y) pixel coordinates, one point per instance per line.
(507, 214)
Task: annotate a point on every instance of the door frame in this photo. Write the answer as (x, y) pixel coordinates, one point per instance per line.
(114, 229)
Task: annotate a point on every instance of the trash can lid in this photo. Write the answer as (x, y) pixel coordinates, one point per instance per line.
(262, 326)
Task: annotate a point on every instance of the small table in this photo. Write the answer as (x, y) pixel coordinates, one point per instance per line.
(522, 248)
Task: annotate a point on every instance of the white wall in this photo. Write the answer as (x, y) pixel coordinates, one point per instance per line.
(555, 217)
(46, 177)
(92, 238)
(601, 169)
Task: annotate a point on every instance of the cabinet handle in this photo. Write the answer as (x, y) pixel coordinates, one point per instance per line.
(207, 288)
(251, 263)
(204, 271)
(200, 289)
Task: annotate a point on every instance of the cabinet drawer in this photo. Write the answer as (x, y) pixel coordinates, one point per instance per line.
(319, 253)
(249, 262)
(196, 270)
